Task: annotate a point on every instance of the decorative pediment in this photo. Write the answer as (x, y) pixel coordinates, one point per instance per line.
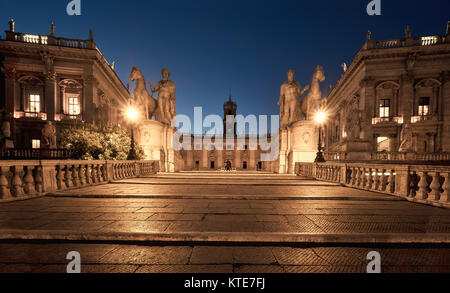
(30, 80)
(428, 83)
(70, 83)
(388, 85)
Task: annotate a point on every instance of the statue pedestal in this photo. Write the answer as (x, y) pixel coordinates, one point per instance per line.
(156, 139)
(298, 144)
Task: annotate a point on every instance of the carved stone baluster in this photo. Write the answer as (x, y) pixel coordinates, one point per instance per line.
(88, 174)
(376, 179)
(39, 180)
(435, 186)
(364, 178)
(28, 181)
(369, 179)
(60, 177)
(68, 177)
(383, 181)
(82, 175)
(99, 173)
(445, 197)
(423, 185)
(392, 181)
(75, 174)
(358, 177)
(16, 182)
(94, 174)
(5, 192)
(412, 184)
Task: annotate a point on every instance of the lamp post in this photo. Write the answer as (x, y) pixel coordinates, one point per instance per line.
(320, 119)
(132, 115)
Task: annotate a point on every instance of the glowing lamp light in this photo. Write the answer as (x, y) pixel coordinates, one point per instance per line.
(321, 117)
(132, 114)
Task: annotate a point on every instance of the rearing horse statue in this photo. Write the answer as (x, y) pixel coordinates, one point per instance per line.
(142, 97)
(314, 98)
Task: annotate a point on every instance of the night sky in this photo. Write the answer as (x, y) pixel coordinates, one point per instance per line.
(211, 46)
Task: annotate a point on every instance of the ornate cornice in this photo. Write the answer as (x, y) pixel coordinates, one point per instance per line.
(9, 72)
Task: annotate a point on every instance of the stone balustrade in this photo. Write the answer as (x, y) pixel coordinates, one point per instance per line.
(417, 183)
(50, 40)
(27, 179)
(393, 156)
(403, 42)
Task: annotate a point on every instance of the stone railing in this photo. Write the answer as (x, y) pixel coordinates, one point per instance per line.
(26, 179)
(399, 43)
(392, 157)
(417, 183)
(50, 40)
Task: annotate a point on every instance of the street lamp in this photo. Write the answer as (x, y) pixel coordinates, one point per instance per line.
(320, 118)
(132, 115)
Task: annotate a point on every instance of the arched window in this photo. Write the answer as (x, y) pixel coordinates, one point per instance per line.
(386, 99)
(32, 96)
(71, 92)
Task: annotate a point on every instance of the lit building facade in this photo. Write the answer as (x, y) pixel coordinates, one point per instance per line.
(393, 102)
(48, 78)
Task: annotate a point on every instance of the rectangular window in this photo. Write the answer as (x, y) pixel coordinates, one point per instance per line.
(424, 106)
(74, 106)
(385, 108)
(36, 144)
(34, 103)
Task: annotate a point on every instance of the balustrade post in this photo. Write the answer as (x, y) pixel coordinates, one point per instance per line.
(28, 181)
(383, 180)
(376, 179)
(59, 177)
(81, 174)
(369, 180)
(364, 179)
(423, 185)
(445, 197)
(358, 177)
(435, 186)
(39, 180)
(5, 192)
(94, 174)
(88, 174)
(75, 174)
(68, 176)
(392, 181)
(16, 181)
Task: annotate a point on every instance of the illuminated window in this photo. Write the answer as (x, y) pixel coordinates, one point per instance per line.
(74, 106)
(385, 108)
(34, 105)
(383, 144)
(424, 106)
(36, 143)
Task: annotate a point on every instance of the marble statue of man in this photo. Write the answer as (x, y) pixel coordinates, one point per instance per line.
(405, 139)
(49, 135)
(289, 102)
(166, 97)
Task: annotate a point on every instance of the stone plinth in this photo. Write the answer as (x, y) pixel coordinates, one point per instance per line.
(156, 139)
(304, 139)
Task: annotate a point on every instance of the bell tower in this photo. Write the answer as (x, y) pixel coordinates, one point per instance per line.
(229, 109)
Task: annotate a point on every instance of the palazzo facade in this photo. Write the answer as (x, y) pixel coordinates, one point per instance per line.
(393, 102)
(48, 78)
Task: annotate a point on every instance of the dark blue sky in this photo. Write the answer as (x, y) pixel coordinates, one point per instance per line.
(213, 45)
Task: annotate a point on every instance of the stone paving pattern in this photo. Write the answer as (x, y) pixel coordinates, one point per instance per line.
(189, 203)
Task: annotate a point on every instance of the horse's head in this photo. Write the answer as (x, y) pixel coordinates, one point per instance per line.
(135, 74)
(319, 74)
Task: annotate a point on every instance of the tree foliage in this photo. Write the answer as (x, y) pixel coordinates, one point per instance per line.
(98, 143)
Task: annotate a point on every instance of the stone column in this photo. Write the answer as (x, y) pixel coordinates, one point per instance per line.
(89, 93)
(220, 161)
(407, 97)
(10, 88)
(190, 160)
(237, 159)
(50, 96)
(283, 166)
(367, 105)
(252, 160)
(444, 137)
(204, 162)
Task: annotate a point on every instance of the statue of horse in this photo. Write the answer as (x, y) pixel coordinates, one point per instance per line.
(314, 98)
(141, 95)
